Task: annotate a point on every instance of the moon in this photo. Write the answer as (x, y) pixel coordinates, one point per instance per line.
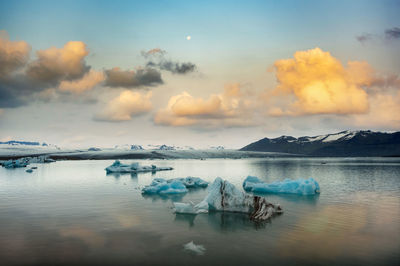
(188, 37)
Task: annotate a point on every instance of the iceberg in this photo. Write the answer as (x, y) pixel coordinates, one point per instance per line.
(196, 249)
(25, 161)
(224, 196)
(192, 182)
(298, 186)
(15, 163)
(160, 186)
(118, 167)
(173, 186)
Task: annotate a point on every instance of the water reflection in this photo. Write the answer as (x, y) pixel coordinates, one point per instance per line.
(304, 199)
(223, 221)
(343, 232)
(132, 174)
(164, 197)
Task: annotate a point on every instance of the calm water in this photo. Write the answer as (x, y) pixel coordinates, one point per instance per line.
(71, 212)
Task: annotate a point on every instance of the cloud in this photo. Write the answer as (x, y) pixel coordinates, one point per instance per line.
(129, 79)
(389, 34)
(21, 81)
(159, 61)
(55, 64)
(153, 52)
(125, 106)
(232, 108)
(384, 113)
(174, 67)
(365, 37)
(393, 33)
(13, 55)
(320, 84)
(86, 83)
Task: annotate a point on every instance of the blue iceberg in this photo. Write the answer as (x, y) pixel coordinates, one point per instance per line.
(173, 186)
(161, 186)
(298, 186)
(192, 182)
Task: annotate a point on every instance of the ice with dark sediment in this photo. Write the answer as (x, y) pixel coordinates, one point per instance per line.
(289, 186)
(118, 167)
(224, 196)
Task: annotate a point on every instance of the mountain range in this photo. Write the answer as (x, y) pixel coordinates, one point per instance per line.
(346, 143)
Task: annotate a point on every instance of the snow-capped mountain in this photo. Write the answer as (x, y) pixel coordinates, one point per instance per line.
(164, 147)
(345, 143)
(129, 147)
(27, 144)
(217, 148)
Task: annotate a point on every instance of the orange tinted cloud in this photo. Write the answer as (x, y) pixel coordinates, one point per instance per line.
(125, 106)
(55, 64)
(87, 82)
(117, 77)
(320, 84)
(13, 55)
(230, 108)
(384, 112)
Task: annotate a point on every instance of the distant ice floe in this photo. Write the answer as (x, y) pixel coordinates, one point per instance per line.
(25, 161)
(224, 196)
(173, 186)
(298, 186)
(15, 163)
(195, 249)
(118, 167)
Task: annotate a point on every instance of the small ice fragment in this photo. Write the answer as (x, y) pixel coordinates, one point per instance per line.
(196, 249)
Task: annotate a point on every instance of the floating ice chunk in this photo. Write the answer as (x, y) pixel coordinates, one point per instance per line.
(118, 167)
(161, 186)
(193, 182)
(23, 162)
(224, 196)
(173, 186)
(15, 163)
(196, 249)
(299, 186)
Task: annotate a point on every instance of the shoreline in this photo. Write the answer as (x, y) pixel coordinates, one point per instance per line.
(146, 154)
(159, 155)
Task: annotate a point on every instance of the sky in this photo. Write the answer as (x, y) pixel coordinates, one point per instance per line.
(196, 73)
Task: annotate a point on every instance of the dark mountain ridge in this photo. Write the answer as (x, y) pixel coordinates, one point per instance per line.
(341, 144)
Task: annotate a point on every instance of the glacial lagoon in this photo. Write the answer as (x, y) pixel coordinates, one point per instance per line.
(72, 212)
